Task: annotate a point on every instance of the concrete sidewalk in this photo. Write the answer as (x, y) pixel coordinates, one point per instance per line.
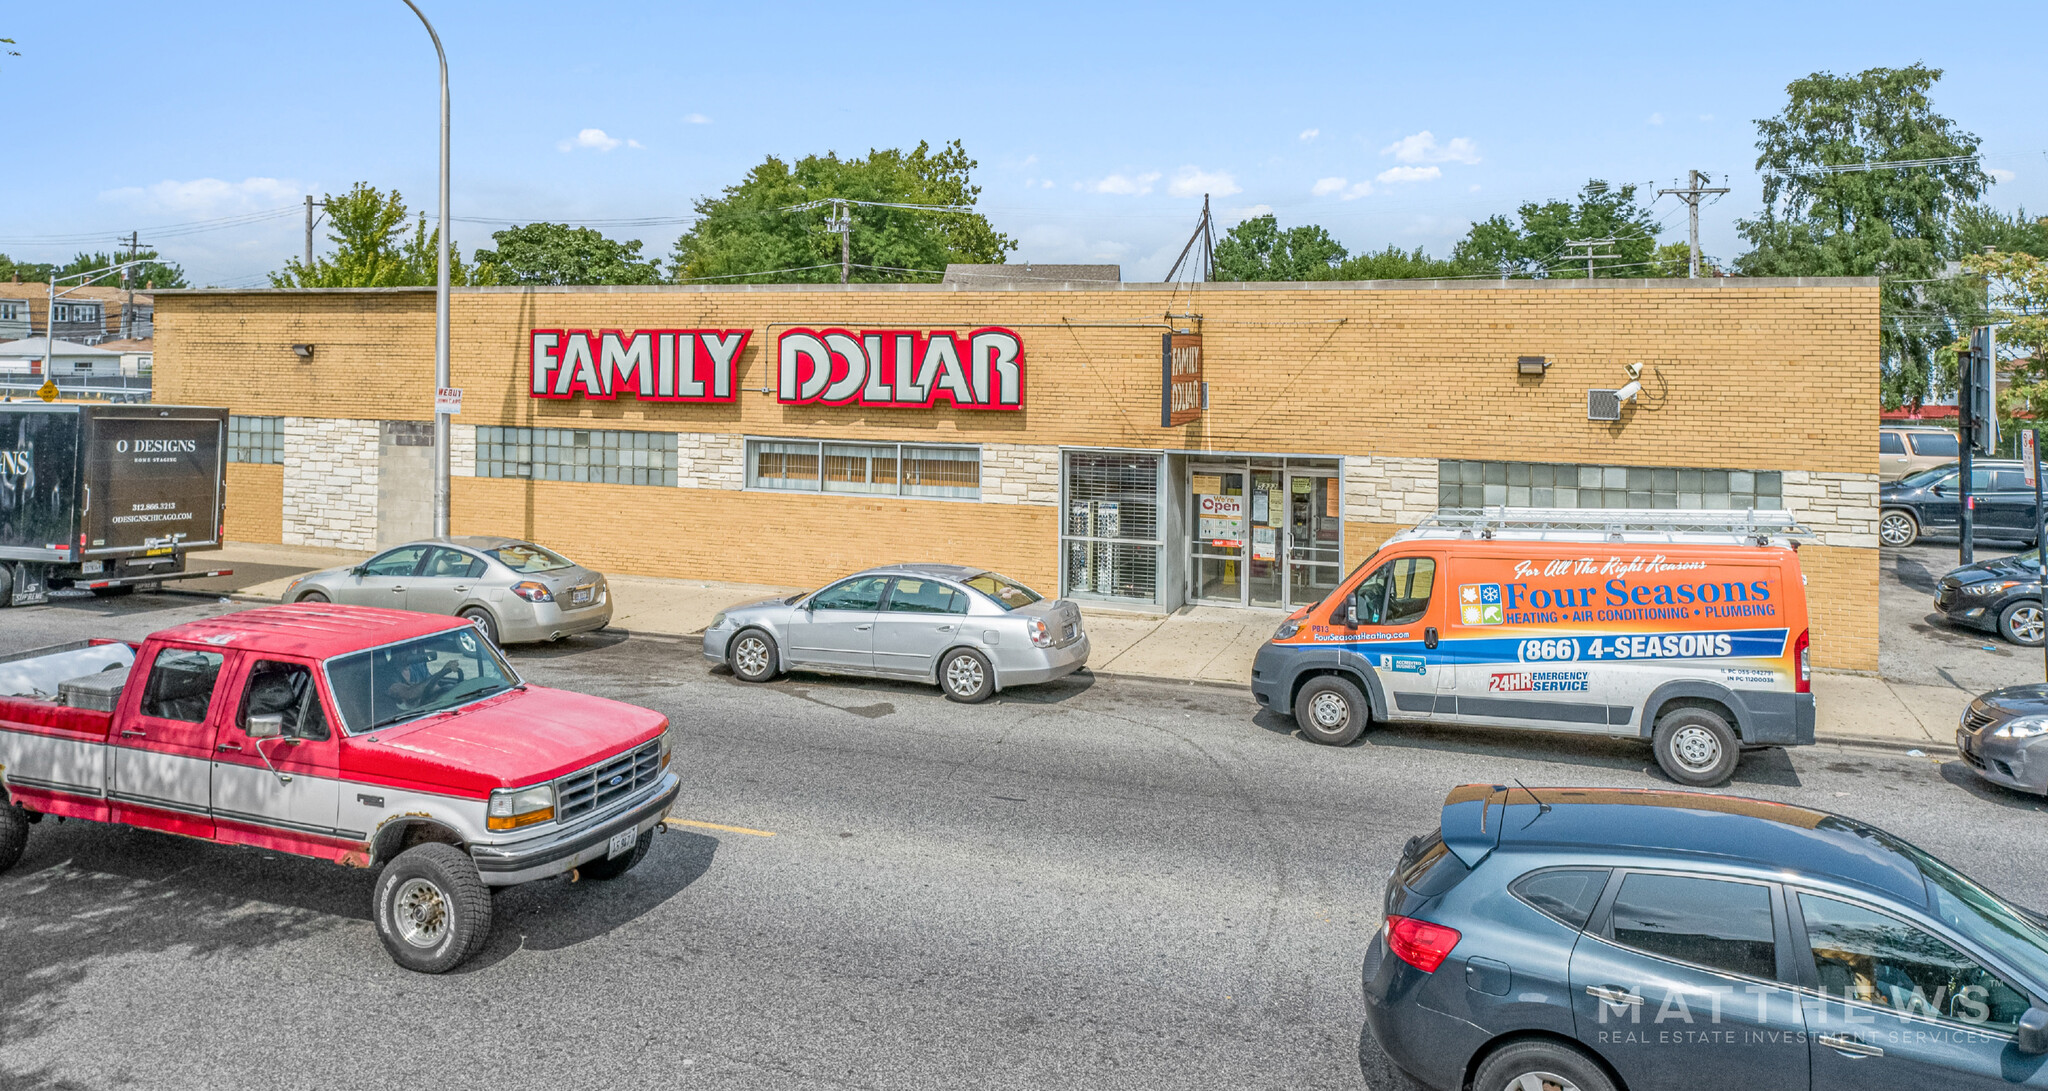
(1199, 644)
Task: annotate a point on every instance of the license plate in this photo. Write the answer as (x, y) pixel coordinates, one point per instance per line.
(621, 843)
(1071, 630)
(581, 596)
(92, 568)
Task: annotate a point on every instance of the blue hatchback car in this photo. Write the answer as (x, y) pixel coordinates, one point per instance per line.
(1572, 939)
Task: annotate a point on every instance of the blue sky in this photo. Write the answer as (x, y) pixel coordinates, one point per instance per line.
(1098, 126)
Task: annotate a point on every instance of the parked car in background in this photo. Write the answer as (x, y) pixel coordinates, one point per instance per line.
(2002, 595)
(1929, 502)
(968, 630)
(1909, 448)
(2003, 737)
(1594, 939)
(511, 590)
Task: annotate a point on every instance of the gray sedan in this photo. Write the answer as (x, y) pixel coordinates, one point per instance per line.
(510, 590)
(969, 630)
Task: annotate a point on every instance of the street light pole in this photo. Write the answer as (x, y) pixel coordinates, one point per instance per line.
(441, 380)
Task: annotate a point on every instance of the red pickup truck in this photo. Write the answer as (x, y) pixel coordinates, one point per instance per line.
(371, 738)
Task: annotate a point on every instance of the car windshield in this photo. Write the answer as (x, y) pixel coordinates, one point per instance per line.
(1927, 477)
(1007, 593)
(1982, 916)
(390, 685)
(525, 558)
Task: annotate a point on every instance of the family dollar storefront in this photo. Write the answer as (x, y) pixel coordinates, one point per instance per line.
(1145, 447)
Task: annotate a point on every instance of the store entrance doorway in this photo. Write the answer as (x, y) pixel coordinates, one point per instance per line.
(1264, 533)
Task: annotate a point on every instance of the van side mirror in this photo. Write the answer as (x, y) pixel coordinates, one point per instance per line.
(265, 725)
(1348, 615)
(2031, 1035)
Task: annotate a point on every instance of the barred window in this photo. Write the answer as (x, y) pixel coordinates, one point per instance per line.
(883, 469)
(576, 454)
(1471, 484)
(256, 439)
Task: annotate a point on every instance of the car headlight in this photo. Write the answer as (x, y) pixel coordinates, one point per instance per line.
(1287, 628)
(512, 808)
(1991, 587)
(2026, 727)
(717, 620)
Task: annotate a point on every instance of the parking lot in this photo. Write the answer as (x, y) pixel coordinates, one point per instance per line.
(1917, 646)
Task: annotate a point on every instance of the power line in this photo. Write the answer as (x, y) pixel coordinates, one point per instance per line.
(1890, 164)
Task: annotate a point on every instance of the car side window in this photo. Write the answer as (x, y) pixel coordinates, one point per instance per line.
(399, 562)
(286, 690)
(859, 593)
(1939, 444)
(911, 596)
(2010, 481)
(1980, 480)
(181, 685)
(1888, 443)
(1873, 958)
(1716, 923)
(1567, 894)
(452, 564)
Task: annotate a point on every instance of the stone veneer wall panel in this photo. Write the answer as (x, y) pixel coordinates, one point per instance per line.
(1015, 473)
(330, 482)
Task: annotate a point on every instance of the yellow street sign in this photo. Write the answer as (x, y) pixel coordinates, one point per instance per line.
(47, 391)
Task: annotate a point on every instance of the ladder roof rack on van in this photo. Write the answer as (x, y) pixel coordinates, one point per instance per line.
(1702, 527)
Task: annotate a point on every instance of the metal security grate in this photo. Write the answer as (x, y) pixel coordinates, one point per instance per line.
(577, 454)
(1603, 405)
(1109, 538)
(592, 790)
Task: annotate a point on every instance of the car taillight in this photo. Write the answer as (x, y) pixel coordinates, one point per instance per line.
(532, 591)
(1041, 637)
(1419, 943)
(1802, 649)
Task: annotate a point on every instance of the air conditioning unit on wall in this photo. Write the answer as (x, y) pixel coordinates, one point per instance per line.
(1603, 405)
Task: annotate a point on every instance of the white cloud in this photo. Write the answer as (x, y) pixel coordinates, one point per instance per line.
(209, 195)
(1358, 189)
(1311, 134)
(1029, 161)
(1194, 182)
(1423, 148)
(596, 139)
(1656, 119)
(1125, 185)
(1254, 211)
(1326, 186)
(1047, 184)
(696, 119)
(1410, 174)
(1706, 117)
(1999, 174)
(1473, 188)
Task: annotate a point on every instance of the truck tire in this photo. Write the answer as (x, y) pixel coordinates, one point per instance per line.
(6, 587)
(1331, 711)
(432, 909)
(613, 867)
(13, 833)
(1695, 747)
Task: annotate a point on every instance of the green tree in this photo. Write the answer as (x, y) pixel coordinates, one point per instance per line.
(1534, 243)
(11, 269)
(2017, 287)
(1394, 263)
(1257, 249)
(154, 274)
(373, 248)
(545, 253)
(1981, 228)
(1899, 225)
(744, 233)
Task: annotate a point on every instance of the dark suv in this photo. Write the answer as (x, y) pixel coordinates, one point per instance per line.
(1928, 502)
(1574, 939)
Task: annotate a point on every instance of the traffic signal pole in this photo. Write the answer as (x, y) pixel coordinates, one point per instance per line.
(1966, 432)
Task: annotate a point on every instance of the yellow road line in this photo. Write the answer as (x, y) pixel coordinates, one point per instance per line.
(716, 826)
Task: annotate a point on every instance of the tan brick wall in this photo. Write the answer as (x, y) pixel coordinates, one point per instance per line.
(255, 503)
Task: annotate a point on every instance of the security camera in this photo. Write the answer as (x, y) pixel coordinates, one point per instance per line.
(1629, 392)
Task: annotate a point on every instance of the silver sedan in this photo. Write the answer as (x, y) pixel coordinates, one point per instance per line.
(969, 630)
(511, 590)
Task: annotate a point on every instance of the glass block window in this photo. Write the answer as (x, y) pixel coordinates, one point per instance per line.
(882, 469)
(577, 454)
(1469, 484)
(256, 439)
(1109, 539)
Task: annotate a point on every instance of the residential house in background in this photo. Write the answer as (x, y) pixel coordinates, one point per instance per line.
(35, 356)
(14, 319)
(138, 354)
(86, 315)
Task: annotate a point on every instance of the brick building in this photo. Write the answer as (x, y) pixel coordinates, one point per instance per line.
(1333, 414)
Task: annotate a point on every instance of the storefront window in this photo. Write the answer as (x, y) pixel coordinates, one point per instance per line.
(1109, 540)
(887, 469)
(577, 454)
(1471, 484)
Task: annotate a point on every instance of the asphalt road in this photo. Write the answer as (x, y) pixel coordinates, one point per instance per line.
(1095, 884)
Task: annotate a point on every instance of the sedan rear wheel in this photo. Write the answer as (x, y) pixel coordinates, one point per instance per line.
(1898, 528)
(966, 677)
(2023, 623)
(752, 656)
(484, 623)
(1539, 1066)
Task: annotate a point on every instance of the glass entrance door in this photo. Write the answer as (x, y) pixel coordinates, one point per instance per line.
(1217, 548)
(1315, 536)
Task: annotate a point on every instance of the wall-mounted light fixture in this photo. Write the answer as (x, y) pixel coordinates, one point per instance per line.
(1530, 365)
(303, 352)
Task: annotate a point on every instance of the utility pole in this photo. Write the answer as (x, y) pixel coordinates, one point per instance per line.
(840, 223)
(1591, 245)
(128, 311)
(1691, 195)
(311, 204)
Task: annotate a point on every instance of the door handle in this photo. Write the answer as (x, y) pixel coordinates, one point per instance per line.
(864, 627)
(1614, 995)
(131, 733)
(1849, 1044)
(396, 590)
(229, 746)
(945, 628)
(1429, 637)
(462, 587)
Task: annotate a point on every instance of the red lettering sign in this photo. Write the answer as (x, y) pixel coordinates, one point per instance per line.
(901, 369)
(651, 365)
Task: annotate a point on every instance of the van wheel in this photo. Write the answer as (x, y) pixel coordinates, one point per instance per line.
(1331, 711)
(2023, 623)
(1695, 747)
(13, 833)
(1898, 528)
(752, 656)
(1524, 1065)
(432, 909)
